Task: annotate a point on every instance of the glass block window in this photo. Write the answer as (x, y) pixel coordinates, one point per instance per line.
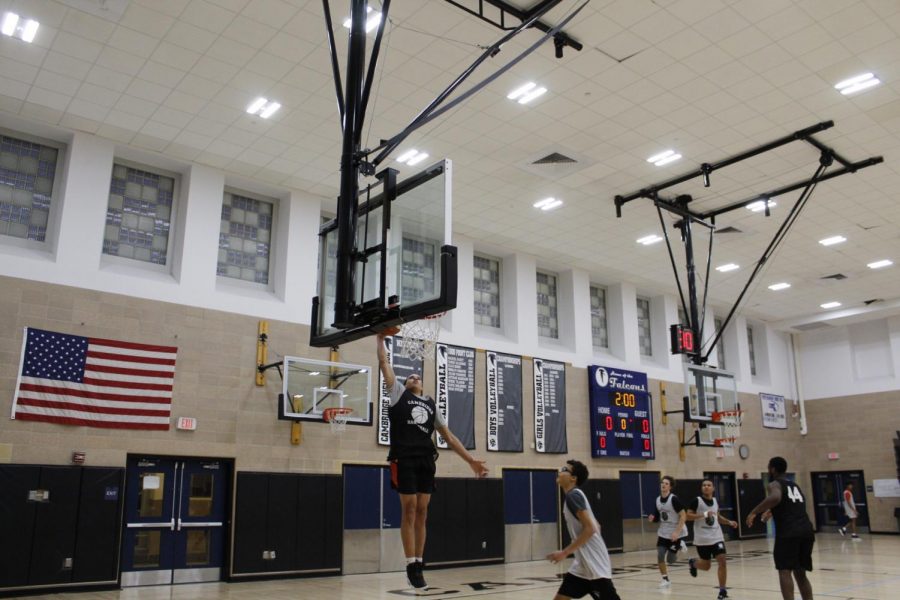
(417, 278)
(599, 330)
(245, 237)
(720, 345)
(487, 291)
(27, 171)
(752, 351)
(139, 215)
(643, 319)
(548, 320)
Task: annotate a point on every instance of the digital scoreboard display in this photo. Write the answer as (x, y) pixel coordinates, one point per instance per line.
(621, 413)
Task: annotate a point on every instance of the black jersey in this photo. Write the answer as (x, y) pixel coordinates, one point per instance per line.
(791, 520)
(412, 425)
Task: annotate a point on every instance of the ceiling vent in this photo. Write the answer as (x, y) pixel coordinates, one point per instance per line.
(835, 276)
(554, 158)
(555, 163)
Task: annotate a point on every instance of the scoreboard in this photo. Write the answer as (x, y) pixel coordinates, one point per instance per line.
(621, 414)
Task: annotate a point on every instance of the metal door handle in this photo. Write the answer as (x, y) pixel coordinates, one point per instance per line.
(203, 524)
(169, 524)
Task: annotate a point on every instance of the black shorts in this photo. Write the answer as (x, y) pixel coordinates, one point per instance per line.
(576, 587)
(413, 475)
(792, 554)
(711, 551)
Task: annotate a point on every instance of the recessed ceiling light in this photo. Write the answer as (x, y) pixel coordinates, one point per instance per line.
(526, 93)
(14, 26)
(857, 84)
(263, 108)
(664, 158)
(830, 305)
(548, 203)
(759, 205)
(372, 20)
(313, 372)
(727, 267)
(779, 286)
(831, 241)
(649, 240)
(412, 157)
(880, 263)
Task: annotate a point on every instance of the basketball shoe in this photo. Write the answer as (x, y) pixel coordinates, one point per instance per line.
(414, 575)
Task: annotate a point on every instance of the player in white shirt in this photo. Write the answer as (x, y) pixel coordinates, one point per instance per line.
(671, 517)
(850, 513)
(590, 573)
(708, 537)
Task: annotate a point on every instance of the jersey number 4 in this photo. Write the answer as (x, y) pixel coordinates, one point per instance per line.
(794, 494)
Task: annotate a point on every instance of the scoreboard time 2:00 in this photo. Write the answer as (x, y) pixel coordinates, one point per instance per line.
(621, 413)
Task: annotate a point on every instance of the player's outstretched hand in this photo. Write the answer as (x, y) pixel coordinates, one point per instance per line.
(557, 556)
(479, 468)
(750, 519)
(733, 524)
(766, 516)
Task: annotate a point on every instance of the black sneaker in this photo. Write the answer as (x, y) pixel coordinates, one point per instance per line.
(692, 567)
(420, 569)
(722, 594)
(414, 575)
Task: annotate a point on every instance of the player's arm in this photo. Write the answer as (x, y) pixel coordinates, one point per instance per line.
(770, 502)
(682, 518)
(477, 466)
(588, 528)
(726, 521)
(654, 516)
(386, 370)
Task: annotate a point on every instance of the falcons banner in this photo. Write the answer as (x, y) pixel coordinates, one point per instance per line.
(504, 402)
(455, 392)
(550, 406)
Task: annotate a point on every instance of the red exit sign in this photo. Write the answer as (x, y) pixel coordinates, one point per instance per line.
(186, 423)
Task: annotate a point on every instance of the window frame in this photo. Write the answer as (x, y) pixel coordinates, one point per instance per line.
(555, 277)
(605, 290)
(231, 281)
(114, 259)
(475, 315)
(638, 300)
(751, 351)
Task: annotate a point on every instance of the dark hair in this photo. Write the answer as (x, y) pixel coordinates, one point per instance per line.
(405, 381)
(849, 484)
(779, 464)
(705, 479)
(670, 479)
(578, 471)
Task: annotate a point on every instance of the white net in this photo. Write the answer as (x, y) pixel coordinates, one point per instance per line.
(730, 422)
(419, 337)
(337, 419)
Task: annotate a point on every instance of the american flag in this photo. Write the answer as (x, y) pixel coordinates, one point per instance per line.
(77, 380)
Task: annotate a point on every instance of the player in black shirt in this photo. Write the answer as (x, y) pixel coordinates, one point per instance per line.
(414, 419)
(794, 537)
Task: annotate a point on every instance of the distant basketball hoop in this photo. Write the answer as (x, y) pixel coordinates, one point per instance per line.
(337, 417)
(420, 336)
(730, 422)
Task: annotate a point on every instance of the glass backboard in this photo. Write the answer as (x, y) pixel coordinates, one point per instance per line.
(312, 386)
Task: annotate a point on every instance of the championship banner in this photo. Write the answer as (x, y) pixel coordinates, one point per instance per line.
(504, 402)
(403, 366)
(773, 411)
(550, 407)
(455, 389)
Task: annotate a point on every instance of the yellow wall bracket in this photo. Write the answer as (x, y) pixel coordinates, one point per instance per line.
(262, 346)
(663, 405)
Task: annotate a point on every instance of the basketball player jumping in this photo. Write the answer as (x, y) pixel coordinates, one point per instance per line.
(414, 419)
(590, 573)
(708, 537)
(794, 537)
(672, 529)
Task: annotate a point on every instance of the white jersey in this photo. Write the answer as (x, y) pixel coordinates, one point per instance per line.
(705, 534)
(669, 510)
(849, 505)
(592, 559)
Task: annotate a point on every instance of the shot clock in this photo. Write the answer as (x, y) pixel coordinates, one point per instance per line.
(621, 414)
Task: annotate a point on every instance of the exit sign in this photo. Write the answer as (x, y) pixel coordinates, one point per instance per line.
(186, 423)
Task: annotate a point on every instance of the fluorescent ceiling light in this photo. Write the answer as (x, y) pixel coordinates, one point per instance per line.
(759, 205)
(313, 372)
(830, 305)
(664, 158)
(728, 267)
(548, 204)
(857, 84)
(412, 157)
(779, 286)
(371, 22)
(10, 20)
(522, 90)
(14, 26)
(263, 107)
(831, 241)
(532, 95)
(649, 240)
(880, 263)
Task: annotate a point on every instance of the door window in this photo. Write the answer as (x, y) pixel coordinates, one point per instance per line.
(146, 549)
(150, 496)
(200, 501)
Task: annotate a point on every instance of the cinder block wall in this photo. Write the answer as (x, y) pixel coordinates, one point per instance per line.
(214, 382)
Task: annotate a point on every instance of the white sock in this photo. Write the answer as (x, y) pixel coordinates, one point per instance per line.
(418, 559)
(411, 559)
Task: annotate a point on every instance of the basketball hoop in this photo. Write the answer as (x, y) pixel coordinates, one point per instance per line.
(419, 337)
(730, 420)
(337, 417)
